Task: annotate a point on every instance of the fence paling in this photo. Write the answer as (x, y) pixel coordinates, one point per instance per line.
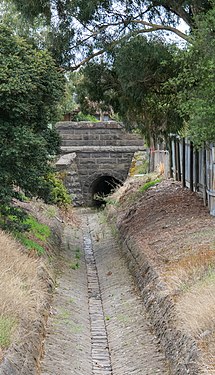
(197, 169)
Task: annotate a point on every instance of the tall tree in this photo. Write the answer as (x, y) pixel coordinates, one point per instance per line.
(133, 83)
(36, 32)
(196, 81)
(30, 89)
(92, 27)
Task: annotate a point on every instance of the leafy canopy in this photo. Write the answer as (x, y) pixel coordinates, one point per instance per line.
(30, 89)
(83, 29)
(132, 82)
(196, 81)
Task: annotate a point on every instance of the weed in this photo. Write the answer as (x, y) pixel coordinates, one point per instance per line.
(30, 244)
(51, 212)
(7, 326)
(149, 184)
(74, 266)
(65, 317)
(40, 231)
(111, 201)
(77, 254)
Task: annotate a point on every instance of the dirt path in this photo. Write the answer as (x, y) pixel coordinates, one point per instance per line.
(98, 323)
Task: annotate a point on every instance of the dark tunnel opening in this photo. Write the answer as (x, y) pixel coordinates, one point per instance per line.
(102, 187)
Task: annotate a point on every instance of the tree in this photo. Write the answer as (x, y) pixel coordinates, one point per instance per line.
(35, 32)
(196, 82)
(133, 82)
(30, 89)
(96, 26)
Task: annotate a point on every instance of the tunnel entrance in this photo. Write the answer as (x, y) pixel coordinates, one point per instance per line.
(102, 187)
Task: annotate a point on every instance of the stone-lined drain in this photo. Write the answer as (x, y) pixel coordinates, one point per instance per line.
(101, 362)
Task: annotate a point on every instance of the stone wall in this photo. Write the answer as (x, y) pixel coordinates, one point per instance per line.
(98, 149)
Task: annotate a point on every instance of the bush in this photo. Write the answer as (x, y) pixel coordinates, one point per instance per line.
(83, 117)
(56, 193)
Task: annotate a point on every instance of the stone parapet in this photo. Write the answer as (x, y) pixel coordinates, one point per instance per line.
(90, 149)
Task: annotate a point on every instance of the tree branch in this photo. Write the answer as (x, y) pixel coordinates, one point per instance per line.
(154, 27)
(151, 28)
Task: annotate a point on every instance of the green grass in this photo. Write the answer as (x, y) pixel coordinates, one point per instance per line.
(77, 254)
(74, 266)
(7, 326)
(37, 232)
(51, 212)
(40, 231)
(30, 244)
(147, 185)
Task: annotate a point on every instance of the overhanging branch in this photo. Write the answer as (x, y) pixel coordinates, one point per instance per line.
(149, 27)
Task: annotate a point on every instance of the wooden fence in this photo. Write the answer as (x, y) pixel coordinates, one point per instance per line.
(194, 168)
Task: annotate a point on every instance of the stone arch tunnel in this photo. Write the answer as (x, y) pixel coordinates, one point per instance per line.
(95, 157)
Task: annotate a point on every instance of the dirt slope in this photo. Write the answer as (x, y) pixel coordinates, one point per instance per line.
(172, 228)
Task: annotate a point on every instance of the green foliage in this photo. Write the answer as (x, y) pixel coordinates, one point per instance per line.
(133, 84)
(40, 231)
(31, 244)
(35, 236)
(82, 28)
(84, 117)
(196, 82)
(12, 218)
(30, 89)
(77, 253)
(35, 32)
(143, 67)
(149, 184)
(7, 326)
(54, 191)
(75, 266)
(68, 103)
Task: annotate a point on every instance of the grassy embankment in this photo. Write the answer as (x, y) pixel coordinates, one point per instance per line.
(22, 289)
(176, 232)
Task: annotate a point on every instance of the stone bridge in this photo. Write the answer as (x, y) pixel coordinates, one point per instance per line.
(95, 157)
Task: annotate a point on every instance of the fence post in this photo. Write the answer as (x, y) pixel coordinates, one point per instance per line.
(204, 176)
(177, 161)
(170, 159)
(183, 164)
(191, 166)
(196, 170)
(212, 180)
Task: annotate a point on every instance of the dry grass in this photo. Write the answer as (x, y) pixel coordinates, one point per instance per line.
(129, 191)
(183, 273)
(191, 279)
(181, 242)
(196, 310)
(22, 292)
(196, 307)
